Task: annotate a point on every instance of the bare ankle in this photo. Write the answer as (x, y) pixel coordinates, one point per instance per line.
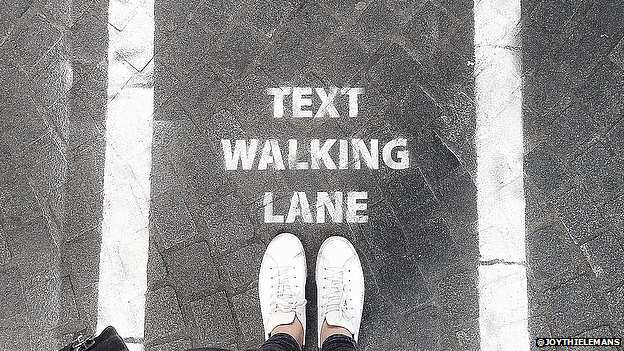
(294, 329)
(329, 330)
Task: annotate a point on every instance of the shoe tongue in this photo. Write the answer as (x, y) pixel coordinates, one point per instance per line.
(336, 319)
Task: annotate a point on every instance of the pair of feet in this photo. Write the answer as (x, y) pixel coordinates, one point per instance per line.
(339, 282)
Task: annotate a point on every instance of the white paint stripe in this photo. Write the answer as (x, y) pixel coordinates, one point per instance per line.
(125, 237)
(503, 304)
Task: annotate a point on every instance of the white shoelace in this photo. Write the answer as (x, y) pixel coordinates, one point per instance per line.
(285, 298)
(336, 295)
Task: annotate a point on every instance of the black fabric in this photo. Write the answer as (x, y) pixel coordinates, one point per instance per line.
(338, 342)
(108, 340)
(285, 342)
(280, 342)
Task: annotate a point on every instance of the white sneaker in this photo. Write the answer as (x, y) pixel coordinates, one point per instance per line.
(281, 283)
(340, 284)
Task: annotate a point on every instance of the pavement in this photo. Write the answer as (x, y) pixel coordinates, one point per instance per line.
(213, 62)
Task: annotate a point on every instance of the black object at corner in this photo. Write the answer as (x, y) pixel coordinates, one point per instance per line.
(108, 340)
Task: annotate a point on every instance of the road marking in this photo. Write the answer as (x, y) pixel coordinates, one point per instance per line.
(125, 235)
(503, 303)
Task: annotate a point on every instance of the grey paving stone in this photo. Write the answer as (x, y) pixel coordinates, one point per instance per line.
(216, 15)
(537, 45)
(34, 252)
(267, 15)
(44, 304)
(84, 260)
(243, 265)
(451, 75)
(251, 98)
(584, 51)
(414, 113)
(616, 305)
(172, 219)
(378, 313)
(616, 138)
(238, 51)
(402, 283)
(19, 204)
(340, 59)
(83, 206)
(458, 7)
(420, 202)
(606, 257)
(617, 55)
(288, 56)
(605, 90)
(375, 25)
(572, 129)
(89, 38)
(185, 52)
(45, 166)
(545, 169)
(68, 310)
(394, 70)
(459, 193)
(173, 14)
(194, 268)
(573, 304)
(228, 223)
(248, 316)
(457, 127)
(163, 317)
(459, 296)
(165, 85)
(171, 346)
(5, 252)
(202, 93)
(215, 323)
(34, 41)
(12, 293)
(11, 78)
(156, 268)
(538, 328)
(553, 15)
(603, 172)
(428, 30)
(24, 110)
(544, 89)
(578, 214)
(385, 237)
(615, 212)
(17, 8)
(343, 9)
(82, 129)
(534, 210)
(315, 23)
(424, 329)
(53, 80)
(603, 17)
(547, 254)
(9, 338)
(431, 245)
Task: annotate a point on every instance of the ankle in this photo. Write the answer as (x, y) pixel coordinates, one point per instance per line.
(294, 329)
(329, 330)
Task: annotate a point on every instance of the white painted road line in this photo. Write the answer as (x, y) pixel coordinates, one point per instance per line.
(125, 236)
(503, 303)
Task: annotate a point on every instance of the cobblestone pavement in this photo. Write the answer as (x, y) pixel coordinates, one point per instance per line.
(573, 108)
(213, 62)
